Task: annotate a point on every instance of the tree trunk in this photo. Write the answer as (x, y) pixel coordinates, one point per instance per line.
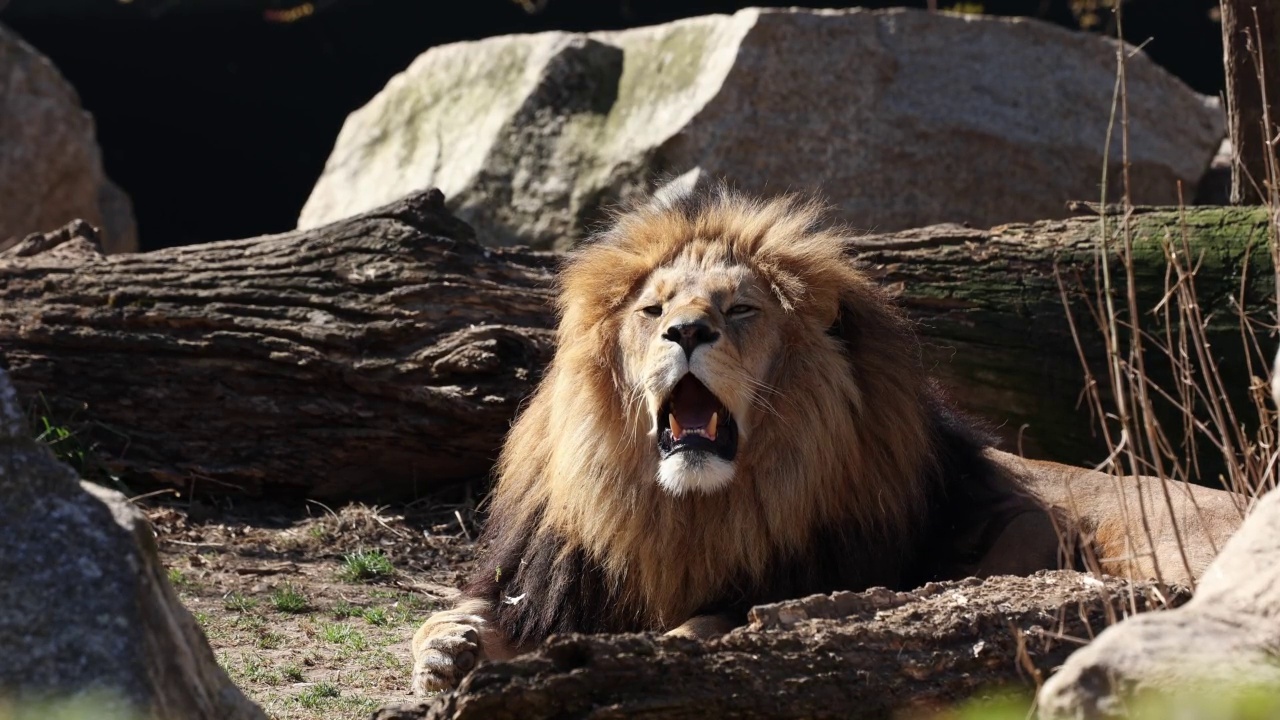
(1253, 91)
(385, 355)
(877, 654)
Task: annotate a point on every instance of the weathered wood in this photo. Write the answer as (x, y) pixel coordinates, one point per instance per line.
(846, 655)
(990, 309)
(384, 355)
(378, 356)
(1251, 64)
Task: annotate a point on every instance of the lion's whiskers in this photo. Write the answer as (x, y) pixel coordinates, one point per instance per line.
(757, 391)
(633, 408)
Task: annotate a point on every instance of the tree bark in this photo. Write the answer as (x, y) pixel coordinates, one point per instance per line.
(990, 308)
(375, 357)
(1251, 60)
(385, 355)
(876, 654)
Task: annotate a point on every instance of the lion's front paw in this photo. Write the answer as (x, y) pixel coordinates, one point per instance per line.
(444, 657)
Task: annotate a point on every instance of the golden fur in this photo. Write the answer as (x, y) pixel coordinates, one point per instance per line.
(602, 493)
(849, 470)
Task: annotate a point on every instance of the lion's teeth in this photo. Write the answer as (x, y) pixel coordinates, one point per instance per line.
(711, 426)
(676, 430)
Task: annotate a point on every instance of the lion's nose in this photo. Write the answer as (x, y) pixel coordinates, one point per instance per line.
(691, 335)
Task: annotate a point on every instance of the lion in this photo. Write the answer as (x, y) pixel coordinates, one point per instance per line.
(736, 414)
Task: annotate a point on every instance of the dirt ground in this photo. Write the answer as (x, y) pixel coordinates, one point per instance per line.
(310, 608)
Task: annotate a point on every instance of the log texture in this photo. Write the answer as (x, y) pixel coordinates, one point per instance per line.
(875, 654)
(1252, 73)
(990, 310)
(374, 357)
(384, 355)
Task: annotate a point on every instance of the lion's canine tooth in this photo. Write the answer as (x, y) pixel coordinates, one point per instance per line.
(676, 430)
(711, 426)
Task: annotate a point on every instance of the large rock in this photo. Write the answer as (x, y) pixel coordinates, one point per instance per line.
(50, 165)
(89, 625)
(901, 118)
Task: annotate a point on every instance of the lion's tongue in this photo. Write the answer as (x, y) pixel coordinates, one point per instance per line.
(692, 404)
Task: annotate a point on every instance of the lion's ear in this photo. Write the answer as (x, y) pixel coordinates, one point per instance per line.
(865, 315)
(846, 327)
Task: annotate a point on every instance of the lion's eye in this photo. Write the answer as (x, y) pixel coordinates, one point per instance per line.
(740, 310)
(652, 310)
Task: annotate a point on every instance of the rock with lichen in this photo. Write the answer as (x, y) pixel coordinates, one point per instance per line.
(900, 118)
(89, 624)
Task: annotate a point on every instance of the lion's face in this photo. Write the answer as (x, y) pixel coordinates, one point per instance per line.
(718, 348)
(699, 342)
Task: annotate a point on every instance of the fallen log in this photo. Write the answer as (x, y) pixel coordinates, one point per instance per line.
(875, 654)
(377, 357)
(990, 308)
(384, 355)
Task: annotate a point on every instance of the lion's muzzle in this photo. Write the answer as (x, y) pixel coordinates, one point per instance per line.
(690, 335)
(693, 419)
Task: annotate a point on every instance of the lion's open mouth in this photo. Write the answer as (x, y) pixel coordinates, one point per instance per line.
(694, 419)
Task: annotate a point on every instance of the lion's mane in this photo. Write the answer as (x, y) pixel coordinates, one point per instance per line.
(831, 493)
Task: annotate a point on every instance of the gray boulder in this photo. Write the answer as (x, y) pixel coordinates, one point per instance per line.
(89, 625)
(50, 164)
(900, 118)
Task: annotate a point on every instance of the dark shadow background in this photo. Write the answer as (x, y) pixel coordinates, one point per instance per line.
(216, 116)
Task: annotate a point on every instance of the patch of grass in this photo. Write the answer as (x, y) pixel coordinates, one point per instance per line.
(92, 705)
(325, 696)
(365, 565)
(288, 599)
(1001, 706)
(343, 610)
(343, 634)
(179, 579)
(239, 603)
(268, 640)
(255, 669)
(62, 441)
(409, 608)
(252, 623)
(213, 630)
(313, 697)
(66, 444)
(381, 662)
(375, 616)
(291, 672)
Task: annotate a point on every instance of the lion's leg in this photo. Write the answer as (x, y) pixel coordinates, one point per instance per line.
(1034, 539)
(705, 627)
(451, 642)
